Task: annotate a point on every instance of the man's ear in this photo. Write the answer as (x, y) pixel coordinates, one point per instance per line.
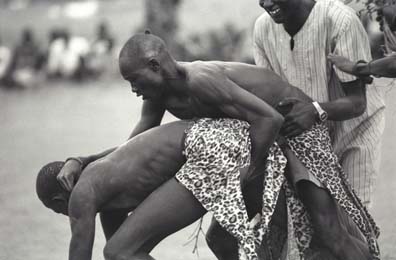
(154, 65)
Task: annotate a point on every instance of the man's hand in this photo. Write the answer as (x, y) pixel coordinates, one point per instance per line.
(342, 63)
(302, 117)
(69, 174)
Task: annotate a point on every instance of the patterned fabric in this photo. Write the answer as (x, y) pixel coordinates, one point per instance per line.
(313, 149)
(215, 150)
(331, 27)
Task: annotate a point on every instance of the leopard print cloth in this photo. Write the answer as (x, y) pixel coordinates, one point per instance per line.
(313, 149)
(215, 150)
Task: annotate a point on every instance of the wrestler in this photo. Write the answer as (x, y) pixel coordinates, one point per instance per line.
(120, 181)
(226, 89)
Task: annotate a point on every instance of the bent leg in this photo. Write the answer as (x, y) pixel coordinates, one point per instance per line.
(225, 247)
(327, 225)
(325, 214)
(167, 210)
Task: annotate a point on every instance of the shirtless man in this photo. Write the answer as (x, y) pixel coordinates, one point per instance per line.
(142, 164)
(122, 180)
(217, 89)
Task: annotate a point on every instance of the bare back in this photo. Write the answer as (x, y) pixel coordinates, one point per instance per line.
(124, 178)
(261, 82)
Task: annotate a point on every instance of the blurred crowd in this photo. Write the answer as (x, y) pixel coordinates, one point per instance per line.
(66, 57)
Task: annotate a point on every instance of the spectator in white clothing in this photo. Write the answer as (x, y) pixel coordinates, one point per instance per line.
(293, 39)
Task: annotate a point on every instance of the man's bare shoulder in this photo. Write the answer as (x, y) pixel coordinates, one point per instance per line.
(207, 80)
(204, 72)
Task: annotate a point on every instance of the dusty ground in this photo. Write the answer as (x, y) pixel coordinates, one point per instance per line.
(60, 120)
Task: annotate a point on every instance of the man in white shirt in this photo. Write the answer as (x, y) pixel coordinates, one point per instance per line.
(294, 42)
(293, 38)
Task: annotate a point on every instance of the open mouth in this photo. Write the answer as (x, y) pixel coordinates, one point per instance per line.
(275, 11)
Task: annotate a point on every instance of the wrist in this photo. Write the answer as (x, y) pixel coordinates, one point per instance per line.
(361, 68)
(76, 159)
(320, 112)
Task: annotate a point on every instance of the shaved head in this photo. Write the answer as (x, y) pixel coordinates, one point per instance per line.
(47, 186)
(139, 49)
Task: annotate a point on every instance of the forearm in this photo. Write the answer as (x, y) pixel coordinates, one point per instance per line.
(91, 158)
(82, 240)
(141, 127)
(385, 67)
(353, 104)
(263, 133)
(343, 109)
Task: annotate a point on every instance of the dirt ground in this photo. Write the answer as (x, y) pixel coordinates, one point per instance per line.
(60, 120)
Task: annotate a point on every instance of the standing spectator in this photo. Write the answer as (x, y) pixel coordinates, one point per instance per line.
(293, 39)
(25, 62)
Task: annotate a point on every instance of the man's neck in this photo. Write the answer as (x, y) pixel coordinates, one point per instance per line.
(177, 79)
(298, 17)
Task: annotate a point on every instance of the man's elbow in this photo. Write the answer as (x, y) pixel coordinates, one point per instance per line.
(275, 121)
(278, 121)
(360, 107)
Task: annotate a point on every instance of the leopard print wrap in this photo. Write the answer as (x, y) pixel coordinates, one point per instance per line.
(313, 149)
(215, 150)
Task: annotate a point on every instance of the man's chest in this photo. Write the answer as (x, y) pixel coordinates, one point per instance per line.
(188, 107)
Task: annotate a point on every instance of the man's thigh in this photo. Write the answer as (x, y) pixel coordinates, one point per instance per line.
(167, 210)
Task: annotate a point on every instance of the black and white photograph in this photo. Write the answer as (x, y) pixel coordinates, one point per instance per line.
(197, 129)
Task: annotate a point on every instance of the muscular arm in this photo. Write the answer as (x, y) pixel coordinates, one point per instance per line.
(384, 67)
(349, 40)
(353, 104)
(215, 88)
(82, 212)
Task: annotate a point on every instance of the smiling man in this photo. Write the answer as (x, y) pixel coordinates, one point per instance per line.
(293, 39)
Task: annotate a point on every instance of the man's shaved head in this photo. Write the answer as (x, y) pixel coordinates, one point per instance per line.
(139, 49)
(47, 186)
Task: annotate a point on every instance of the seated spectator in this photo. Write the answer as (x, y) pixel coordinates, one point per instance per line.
(66, 56)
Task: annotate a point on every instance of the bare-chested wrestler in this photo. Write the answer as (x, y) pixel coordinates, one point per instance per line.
(224, 89)
(122, 180)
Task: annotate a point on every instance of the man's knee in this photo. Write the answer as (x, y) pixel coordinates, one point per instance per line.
(111, 253)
